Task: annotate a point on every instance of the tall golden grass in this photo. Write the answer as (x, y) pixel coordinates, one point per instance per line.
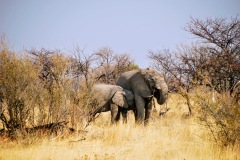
(174, 136)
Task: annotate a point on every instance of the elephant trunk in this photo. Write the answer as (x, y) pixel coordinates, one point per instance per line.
(161, 98)
(161, 94)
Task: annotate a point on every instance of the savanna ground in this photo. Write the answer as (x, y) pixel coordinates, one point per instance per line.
(174, 136)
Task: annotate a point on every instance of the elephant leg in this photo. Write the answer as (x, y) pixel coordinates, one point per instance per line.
(124, 114)
(115, 115)
(148, 110)
(140, 105)
(135, 115)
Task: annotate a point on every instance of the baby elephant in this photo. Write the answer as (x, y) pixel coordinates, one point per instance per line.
(112, 98)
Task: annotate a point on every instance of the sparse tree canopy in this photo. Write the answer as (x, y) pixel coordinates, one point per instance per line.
(111, 65)
(216, 55)
(212, 64)
(222, 39)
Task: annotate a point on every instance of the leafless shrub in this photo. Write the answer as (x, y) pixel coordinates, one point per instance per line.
(36, 90)
(221, 117)
(44, 88)
(17, 81)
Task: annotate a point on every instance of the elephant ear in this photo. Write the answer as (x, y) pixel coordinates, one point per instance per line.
(140, 85)
(119, 99)
(148, 75)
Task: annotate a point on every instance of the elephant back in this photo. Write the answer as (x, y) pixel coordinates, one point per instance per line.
(102, 91)
(135, 82)
(125, 79)
(106, 94)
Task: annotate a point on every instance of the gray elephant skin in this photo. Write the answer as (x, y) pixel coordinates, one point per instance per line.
(145, 84)
(112, 98)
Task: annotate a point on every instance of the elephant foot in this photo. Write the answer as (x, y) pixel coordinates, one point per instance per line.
(140, 122)
(146, 122)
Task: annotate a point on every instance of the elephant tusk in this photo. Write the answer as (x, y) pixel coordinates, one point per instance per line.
(150, 96)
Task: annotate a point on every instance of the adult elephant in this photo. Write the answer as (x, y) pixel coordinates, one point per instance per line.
(145, 84)
(112, 98)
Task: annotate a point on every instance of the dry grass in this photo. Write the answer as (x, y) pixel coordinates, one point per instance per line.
(174, 136)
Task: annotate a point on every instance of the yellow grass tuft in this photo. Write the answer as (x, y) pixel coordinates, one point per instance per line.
(169, 137)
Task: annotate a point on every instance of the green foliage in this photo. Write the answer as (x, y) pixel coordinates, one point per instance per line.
(133, 67)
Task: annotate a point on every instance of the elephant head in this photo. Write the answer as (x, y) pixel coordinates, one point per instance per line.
(156, 84)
